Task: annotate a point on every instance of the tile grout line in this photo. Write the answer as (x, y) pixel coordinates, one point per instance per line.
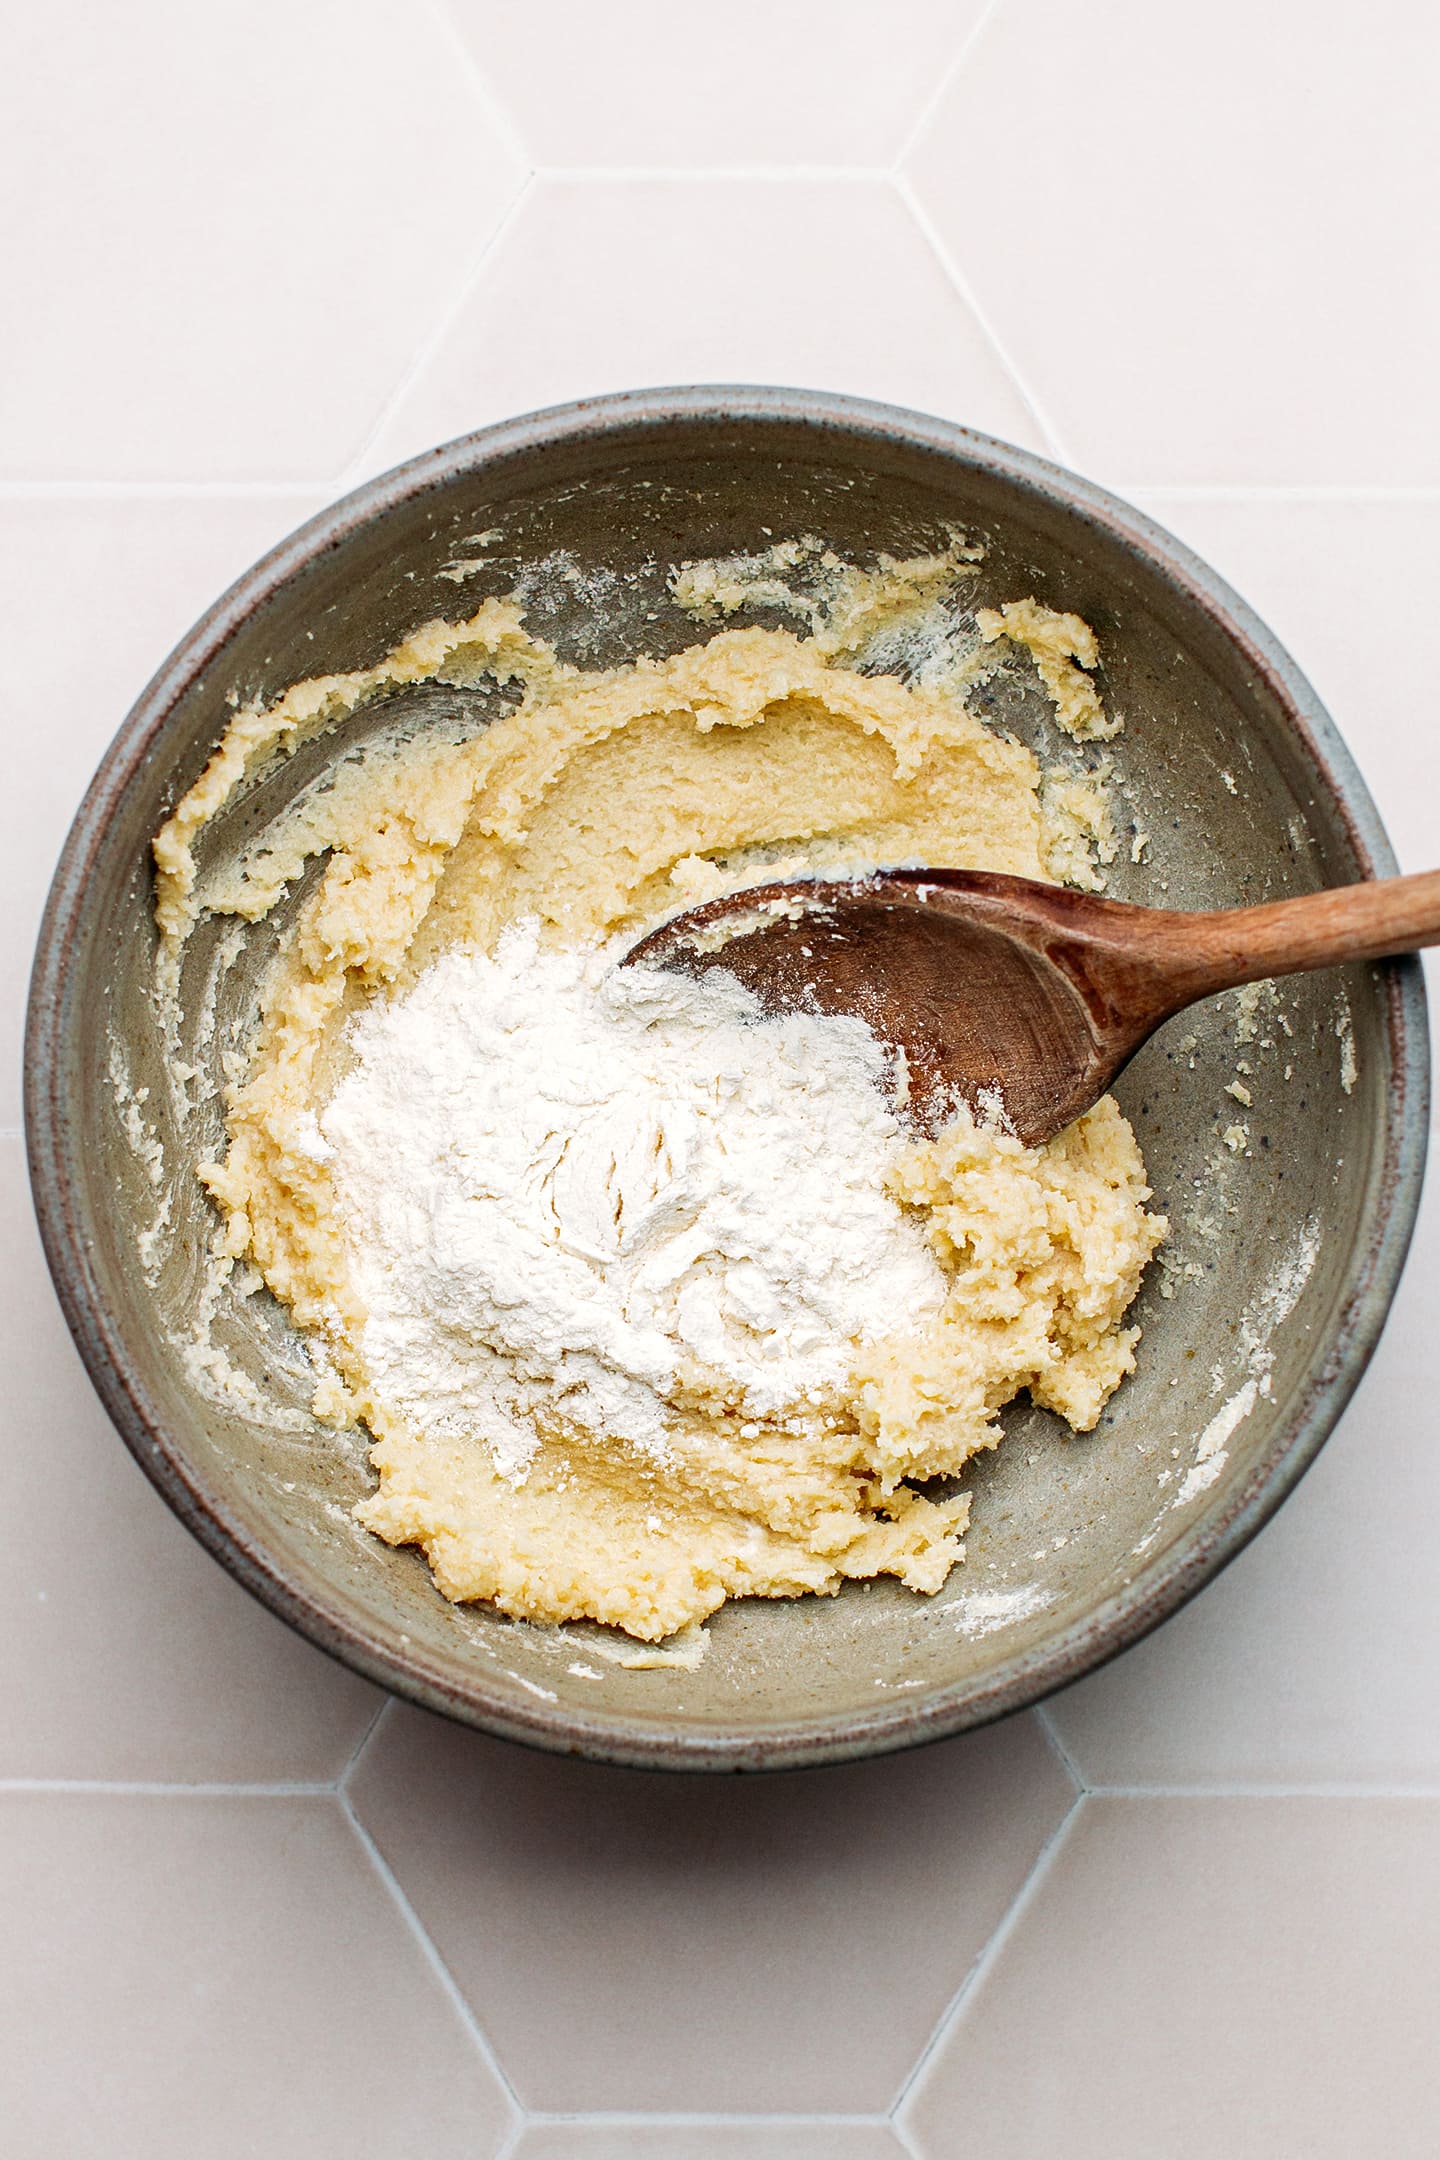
(707, 175)
(510, 2143)
(353, 473)
(904, 187)
(1318, 1789)
(486, 97)
(1058, 1748)
(342, 1781)
(948, 73)
(322, 1788)
(901, 2134)
(21, 491)
(702, 2118)
(431, 1954)
(1053, 440)
(177, 1788)
(1010, 1919)
(490, 107)
(1263, 491)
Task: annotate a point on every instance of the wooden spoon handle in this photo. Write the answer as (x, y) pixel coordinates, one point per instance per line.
(1220, 950)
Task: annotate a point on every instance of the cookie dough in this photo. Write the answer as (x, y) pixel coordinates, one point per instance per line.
(601, 803)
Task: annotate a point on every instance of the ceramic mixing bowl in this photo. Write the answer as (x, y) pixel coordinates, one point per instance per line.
(1290, 1214)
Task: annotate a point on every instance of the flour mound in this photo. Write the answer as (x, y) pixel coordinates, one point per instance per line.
(600, 1190)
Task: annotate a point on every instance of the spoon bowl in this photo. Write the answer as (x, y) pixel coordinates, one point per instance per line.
(1021, 999)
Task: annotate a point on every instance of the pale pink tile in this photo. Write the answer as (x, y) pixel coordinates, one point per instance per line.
(1253, 1978)
(1199, 232)
(683, 1944)
(816, 82)
(237, 227)
(129, 1653)
(630, 2139)
(1315, 1659)
(223, 1977)
(606, 285)
(93, 594)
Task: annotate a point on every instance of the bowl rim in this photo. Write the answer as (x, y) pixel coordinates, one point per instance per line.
(54, 1145)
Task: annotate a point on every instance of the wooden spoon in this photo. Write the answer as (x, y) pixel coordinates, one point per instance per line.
(1015, 995)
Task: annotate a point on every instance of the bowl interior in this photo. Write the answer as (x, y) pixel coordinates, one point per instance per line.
(1278, 1229)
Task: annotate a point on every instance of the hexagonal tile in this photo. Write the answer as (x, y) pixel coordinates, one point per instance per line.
(631, 2139)
(220, 271)
(129, 1653)
(1197, 232)
(818, 82)
(225, 1976)
(603, 285)
(636, 1941)
(96, 593)
(1194, 1977)
(1315, 1659)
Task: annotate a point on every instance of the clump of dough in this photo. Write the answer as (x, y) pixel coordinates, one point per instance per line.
(1063, 647)
(1044, 1248)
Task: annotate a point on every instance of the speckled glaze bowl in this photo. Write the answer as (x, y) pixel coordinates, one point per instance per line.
(1288, 1238)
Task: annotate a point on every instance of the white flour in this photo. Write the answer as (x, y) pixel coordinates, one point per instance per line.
(1272, 1304)
(565, 1183)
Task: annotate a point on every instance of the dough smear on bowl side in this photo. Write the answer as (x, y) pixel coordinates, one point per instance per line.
(627, 1339)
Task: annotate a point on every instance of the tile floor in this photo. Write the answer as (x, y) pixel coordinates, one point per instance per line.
(251, 257)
